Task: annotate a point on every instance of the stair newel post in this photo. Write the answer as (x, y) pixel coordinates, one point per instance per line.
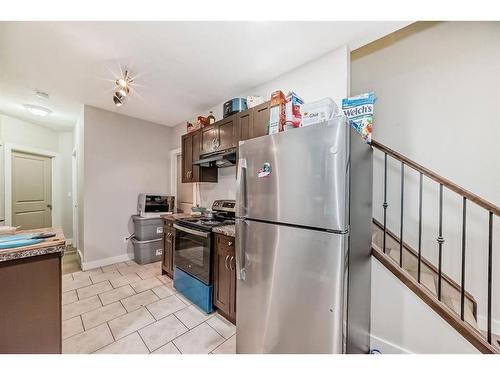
(490, 263)
(402, 206)
(440, 240)
(385, 205)
(420, 226)
(464, 229)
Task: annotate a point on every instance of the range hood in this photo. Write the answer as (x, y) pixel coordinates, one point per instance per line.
(220, 159)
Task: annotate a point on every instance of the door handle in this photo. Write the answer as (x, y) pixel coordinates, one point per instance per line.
(240, 251)
(49, 206)
(241, 193)
(225, 262)
(231, 263)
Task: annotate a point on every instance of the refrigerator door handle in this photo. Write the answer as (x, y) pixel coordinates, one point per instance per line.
(240, 251)
(241, 192)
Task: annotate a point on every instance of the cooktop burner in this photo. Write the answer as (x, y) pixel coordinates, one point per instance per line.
(223, 214)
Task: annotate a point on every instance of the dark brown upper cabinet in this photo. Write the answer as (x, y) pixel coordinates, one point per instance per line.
(260, 120)
(219, 136)
(253, 122)
(191, 144)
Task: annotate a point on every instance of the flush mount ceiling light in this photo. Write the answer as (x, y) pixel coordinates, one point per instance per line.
(37, 110)
(122, 88)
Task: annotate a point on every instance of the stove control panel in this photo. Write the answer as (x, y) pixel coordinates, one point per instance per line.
(224, 205)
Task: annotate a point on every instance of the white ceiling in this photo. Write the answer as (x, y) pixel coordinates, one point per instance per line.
(181, 68)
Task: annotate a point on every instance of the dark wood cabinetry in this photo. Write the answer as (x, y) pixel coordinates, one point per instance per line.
(220, 136)
(191, 144)
(225, 276)
(167, 265)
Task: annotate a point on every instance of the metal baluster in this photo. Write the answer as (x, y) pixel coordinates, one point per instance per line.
(462, 291)
(420, 227)
(440, 240)
(490, 262)
(401, 226)
(385, 205)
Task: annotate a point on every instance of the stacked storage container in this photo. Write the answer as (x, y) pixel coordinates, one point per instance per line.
(148, 239)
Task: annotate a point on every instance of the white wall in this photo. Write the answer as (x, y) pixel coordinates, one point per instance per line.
(14, 131)
(438, 102)
(326, 76)
(124, 156)
(79, 146)
(402, 323)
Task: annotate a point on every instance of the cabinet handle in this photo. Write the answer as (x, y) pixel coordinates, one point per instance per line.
(230, 263)
(225, 262)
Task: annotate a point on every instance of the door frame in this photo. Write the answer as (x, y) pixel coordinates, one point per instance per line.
(55, 180)
(173, 174)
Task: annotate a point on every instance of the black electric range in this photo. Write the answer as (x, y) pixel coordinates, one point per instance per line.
(194, 241)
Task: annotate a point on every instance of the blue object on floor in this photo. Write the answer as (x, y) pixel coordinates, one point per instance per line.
(194, 290)
(19, 243)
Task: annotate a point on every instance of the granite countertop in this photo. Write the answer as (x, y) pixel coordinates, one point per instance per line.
(55, 244)
(175, 216)
(228, 230)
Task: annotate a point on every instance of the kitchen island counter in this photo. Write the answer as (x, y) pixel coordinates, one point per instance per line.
(30, 294)
(52, 245)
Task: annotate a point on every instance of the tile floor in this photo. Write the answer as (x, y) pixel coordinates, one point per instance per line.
(127, 308)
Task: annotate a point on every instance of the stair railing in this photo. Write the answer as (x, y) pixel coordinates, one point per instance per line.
(491, 209)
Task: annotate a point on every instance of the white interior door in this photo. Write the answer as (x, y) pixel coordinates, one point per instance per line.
(31, 190)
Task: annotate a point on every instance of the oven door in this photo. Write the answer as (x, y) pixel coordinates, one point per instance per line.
(192, 252)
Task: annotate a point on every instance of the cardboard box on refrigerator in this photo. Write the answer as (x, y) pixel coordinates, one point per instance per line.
(277, 112)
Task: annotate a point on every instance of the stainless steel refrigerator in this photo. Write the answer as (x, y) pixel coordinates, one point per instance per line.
(303, 221)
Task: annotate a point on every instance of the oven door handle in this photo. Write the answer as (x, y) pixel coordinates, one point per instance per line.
(192, 231)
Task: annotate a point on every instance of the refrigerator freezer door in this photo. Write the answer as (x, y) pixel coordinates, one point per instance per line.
(291, 297)
(296, 177)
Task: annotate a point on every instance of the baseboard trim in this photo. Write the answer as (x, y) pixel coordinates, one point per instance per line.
(386, 347)
(105, 262)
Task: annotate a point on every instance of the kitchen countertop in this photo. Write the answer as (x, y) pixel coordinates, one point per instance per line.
(175, 216)
(227, 230)
(55, 244)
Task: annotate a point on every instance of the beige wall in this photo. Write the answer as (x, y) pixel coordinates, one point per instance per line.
(123, 157)
(326, 76)
(19, 132)
(438, 102)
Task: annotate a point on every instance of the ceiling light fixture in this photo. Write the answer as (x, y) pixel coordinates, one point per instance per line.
(118, 99)
(122, 88)
(37, 110)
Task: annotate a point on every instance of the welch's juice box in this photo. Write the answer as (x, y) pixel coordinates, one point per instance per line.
(359, 111)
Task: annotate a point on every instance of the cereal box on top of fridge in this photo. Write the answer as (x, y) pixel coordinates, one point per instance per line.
(359, 111)
(293, 117)
(277, 112)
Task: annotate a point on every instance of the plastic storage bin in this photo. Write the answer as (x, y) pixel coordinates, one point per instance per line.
(147, 251)
(147, 228)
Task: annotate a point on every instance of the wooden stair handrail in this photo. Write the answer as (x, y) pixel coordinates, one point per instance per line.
(462, 327)
(439, 179)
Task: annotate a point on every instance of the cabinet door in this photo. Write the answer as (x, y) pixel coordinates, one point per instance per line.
(222, 278)
(208, 136)
(187, 157)
(226, 133)
(232, 287)
(168, 251)
(260, 120)
(196, 146)
(244, 123)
